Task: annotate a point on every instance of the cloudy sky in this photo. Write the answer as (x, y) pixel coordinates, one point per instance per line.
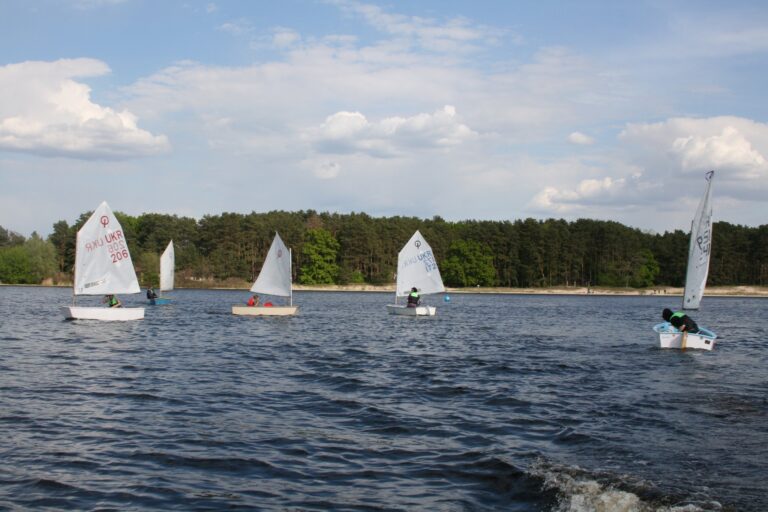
(467, 109)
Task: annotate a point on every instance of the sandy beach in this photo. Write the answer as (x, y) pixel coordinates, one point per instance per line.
(236, 284)
(714, 291)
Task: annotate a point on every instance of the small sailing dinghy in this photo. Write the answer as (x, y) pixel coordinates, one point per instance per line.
(274, 279)
(103, 267)
(699, 251)
(416, 268)
(167, 264)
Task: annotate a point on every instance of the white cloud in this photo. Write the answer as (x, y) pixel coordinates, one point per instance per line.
(580, 139)
(586, 193)
(729, 150)
(455, 35)
(347, 132)
(44, 110)
(238, 27)
(285, 37)
(733, 146)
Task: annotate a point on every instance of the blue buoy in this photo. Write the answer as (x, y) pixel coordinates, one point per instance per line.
(447, 298)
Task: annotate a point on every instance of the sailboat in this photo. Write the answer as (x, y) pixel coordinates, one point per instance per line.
(416, 268)
(699, 251)
(274, 279)
(167, 264)
(102, 267)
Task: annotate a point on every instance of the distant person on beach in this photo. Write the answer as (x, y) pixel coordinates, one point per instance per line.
(151, 293)
(253, 301)
(680, 321)
(413, 298)
(112, 301)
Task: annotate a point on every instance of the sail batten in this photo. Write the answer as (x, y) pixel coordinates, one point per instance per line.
(699, 250)
(103, 263)
(167, 265)
(275, 275)
(417, 267)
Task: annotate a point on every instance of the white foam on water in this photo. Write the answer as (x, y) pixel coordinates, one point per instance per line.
(578, 491)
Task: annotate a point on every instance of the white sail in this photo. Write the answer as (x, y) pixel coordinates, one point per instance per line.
(103, 264)
(275, 275)
(167, 264)
(417, 267)
(699, 250)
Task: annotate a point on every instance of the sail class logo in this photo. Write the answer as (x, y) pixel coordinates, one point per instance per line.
(104, 220)
(279, 253)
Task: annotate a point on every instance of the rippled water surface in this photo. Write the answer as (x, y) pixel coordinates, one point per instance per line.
(501, 402)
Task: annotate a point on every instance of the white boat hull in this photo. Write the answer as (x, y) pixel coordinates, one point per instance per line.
(102, 313)
(669, 337)
(396, 309)
(264, 310)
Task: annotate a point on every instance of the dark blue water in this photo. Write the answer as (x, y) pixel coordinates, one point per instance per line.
(516, 403)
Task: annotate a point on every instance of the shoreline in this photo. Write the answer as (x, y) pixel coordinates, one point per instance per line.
(713, 291)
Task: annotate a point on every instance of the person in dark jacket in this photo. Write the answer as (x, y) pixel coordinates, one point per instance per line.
(680, 321)
(413, 298)
(151, 293)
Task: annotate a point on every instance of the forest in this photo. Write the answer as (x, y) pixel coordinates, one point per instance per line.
(332, 248)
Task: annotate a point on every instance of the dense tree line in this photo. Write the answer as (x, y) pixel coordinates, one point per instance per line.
(333, 248)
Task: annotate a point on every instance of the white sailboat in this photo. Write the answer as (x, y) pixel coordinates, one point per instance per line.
(167, 269)
(274, 279)
(416, 268)
(699, 251)
(103, 267)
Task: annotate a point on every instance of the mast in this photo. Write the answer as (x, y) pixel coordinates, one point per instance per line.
(290, 274)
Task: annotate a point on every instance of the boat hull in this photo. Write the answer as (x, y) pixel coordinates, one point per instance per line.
(264, 310)
(669, 337)
(396, 309)
(103, 314)
(159, 301)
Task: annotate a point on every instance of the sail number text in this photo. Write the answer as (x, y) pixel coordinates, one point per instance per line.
(426, 257)
(115, 244)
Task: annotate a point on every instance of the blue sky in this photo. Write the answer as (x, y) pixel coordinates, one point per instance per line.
(464, 109)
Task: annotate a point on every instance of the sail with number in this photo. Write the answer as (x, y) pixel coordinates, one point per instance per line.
(167, 263)
(699, 250)
(102, 262)
(417, 267)
(275, 275)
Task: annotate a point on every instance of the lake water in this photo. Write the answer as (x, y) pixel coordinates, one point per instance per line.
(501, 402)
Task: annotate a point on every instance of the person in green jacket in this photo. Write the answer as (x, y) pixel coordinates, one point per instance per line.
(680, 321)
(112, 301)
(413, 298)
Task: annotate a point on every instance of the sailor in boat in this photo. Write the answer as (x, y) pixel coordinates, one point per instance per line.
(680, 321)
(413, 298)
(253, 301)
(151, 293)
(112, 301)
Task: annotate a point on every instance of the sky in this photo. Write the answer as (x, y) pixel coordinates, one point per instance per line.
(463, 109)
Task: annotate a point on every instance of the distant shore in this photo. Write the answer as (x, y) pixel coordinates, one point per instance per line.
(711, 291)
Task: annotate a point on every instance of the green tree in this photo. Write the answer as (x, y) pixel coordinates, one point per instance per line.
(10, 238)
(14, 266)
(42, 259)
(319, 258)
(469, 263)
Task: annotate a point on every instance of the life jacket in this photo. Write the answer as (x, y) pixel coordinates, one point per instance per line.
(676, 314)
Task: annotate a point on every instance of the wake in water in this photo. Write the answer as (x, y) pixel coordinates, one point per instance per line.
(579, 490)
